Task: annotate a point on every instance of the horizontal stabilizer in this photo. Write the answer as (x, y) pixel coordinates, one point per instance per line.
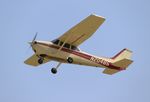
(124, 63)
(110, 71)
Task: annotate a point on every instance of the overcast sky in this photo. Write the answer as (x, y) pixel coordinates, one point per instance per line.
(127, 25)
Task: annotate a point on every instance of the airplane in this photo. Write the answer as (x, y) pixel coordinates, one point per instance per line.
(65, 49)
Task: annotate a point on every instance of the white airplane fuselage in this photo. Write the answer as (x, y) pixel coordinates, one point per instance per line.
(56, 53)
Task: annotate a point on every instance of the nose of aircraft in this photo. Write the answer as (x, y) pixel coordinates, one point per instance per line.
(32, 42)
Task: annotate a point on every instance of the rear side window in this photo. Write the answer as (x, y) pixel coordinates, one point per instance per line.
(74, 48)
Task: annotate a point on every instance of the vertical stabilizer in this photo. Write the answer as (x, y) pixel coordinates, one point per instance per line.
(123, 54)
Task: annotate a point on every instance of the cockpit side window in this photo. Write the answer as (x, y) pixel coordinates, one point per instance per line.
(67, 45)
(61, 43)
(56, 41)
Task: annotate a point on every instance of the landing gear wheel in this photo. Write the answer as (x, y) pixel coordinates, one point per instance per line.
(70, 60)
(40, 60)
(54, 70)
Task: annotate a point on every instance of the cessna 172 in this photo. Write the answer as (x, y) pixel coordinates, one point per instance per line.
(65, 49)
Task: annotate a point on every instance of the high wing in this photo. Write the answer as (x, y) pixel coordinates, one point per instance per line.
(82, 31)
(33, 60)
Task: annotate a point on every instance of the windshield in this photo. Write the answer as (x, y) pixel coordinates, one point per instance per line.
(56, 41)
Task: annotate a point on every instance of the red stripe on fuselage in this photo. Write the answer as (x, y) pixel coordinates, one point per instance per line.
(83, 55)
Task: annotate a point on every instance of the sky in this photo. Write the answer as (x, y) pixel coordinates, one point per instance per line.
(127, 25)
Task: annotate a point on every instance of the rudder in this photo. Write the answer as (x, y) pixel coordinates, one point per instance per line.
(125, 53)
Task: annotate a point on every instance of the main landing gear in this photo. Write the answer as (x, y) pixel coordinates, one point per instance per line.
(40, 60)
(54, 70)
(69, 60)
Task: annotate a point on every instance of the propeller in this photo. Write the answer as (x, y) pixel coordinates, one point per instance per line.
(33, 41)
(34, 37)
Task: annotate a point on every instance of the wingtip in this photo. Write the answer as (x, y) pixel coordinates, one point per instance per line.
(97, 16)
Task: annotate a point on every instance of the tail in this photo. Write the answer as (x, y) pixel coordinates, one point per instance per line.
(123, 58)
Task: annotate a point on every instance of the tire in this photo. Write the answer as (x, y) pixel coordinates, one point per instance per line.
(40, 60)
(54, 70)
(70, 60)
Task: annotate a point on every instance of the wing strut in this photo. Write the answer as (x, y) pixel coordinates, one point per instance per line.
(63, 44)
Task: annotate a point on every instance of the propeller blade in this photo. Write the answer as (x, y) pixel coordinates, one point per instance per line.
(31, 42)
(34, 37)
